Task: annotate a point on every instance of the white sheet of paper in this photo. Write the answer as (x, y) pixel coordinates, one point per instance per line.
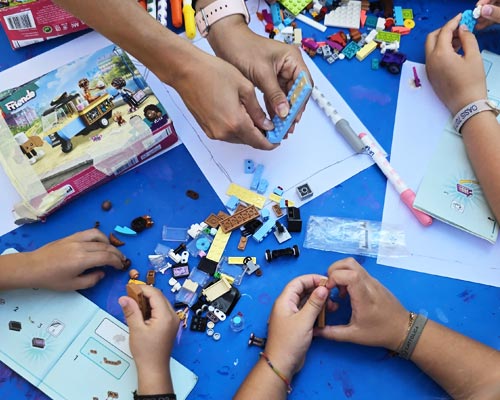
(439, 249)
(315, 153)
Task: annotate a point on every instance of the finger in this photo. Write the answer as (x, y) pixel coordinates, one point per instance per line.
(275, 97)
(301, 285)
(469, 42)
(132, 312)
(89, 235)
(253, 108)
(87, 280)
(340, 333)
(158, 302)
(348, 263)
(445, 37)
(430, 42)
(309, 313)
(491, 13)
(90, 259)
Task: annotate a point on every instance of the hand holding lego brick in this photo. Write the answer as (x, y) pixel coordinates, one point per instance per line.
(378, 318)
(457, 79)
(490, 13)
(62, 264)
(151, 341)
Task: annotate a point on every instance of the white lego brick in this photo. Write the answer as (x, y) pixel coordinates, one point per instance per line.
(345, 16)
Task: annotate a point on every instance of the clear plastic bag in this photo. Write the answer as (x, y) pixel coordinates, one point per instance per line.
(357, 237)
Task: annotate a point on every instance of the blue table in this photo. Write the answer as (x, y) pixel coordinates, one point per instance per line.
(333, 370)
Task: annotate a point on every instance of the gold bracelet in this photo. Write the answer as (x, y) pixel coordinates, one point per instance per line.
(411, 319)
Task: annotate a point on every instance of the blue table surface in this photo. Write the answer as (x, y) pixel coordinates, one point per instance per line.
(332, 370)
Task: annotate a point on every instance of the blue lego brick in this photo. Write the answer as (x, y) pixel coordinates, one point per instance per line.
(375, 63)
(262, 187)
(468, 20)
(350, 50)
(257, 175)
(398, 16)
(275, 14)
(296, 98)
(232, 203)
(249, 166)
(371, 21)
(264, 230)
(265, 214)
(278, 190)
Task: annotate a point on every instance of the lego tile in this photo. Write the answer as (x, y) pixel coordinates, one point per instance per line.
(297, 96)
(218, 245)
(240, 260)
(366, 50)
(407, 13)
(294, 6)
(245, 195)
(388, 37)
(345, 16)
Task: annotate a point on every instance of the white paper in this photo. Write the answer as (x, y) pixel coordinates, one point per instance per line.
(439, 249)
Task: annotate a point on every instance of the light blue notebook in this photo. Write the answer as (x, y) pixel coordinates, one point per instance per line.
(70, 349)
(450, 190)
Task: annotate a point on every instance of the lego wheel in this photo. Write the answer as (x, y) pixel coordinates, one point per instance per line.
(296, 251)
(269, 255)
(103, 122)
(66, 146)
(394, 69)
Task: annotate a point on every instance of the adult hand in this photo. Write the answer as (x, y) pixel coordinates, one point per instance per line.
(377, 319)
(151, 341)
(223, 102)
(490, 13)
(62, 264)
(270, 65)
(298, 306)
(457, 79)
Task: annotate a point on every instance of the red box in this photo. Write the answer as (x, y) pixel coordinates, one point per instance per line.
(35, 21)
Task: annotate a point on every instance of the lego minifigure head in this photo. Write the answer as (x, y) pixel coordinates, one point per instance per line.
(152, 112)
(118, 83)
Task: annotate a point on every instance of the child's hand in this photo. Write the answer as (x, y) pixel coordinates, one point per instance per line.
(457, 79)
(490, 13)
(62, 264)
(151, 341)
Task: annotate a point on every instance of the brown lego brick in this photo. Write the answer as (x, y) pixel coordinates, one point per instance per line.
(239, 207)
(135, 291)
(150, 277)
(239, 219)
(277, 210)
(222, 215)
(243, 243)
(212, 221)
(321, 320)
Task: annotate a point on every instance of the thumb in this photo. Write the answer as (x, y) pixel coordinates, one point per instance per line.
(468, 41)
(314, 304)
(490, 12)
(131, 311)
(339, 333)
(276, 98)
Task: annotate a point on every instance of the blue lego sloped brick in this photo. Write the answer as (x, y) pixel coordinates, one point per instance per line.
(296, 98)
(257, 175)
(264, 230)
(262, 187)
(350, 50)
(468, 20)
(398, 16)
(232, 203)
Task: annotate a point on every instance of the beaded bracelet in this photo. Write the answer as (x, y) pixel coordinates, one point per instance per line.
(280, 375)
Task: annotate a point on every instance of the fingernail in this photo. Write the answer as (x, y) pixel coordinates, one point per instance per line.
(486, 10)
(464, 27)
(268, 125)
(283, 110)
(122, 302)
(322, 292)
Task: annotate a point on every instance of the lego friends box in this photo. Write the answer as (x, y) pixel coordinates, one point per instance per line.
(78, 126)
(31, 21)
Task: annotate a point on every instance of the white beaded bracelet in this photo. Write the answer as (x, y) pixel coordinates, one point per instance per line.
(472, 109)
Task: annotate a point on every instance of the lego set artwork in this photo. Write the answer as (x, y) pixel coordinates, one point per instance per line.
(78, 126)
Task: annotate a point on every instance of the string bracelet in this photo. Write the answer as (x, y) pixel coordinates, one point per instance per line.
(413, 335)
(277, 372)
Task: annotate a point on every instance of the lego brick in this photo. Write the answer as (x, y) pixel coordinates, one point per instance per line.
(407, 13)
(275, 13)
(240, 207)
(297, 36)
(135, 292)
(190, 285)
(257, 176)
(207, 266)
(388, 37)
(218, 245)
(375, 64)
(297, 96)
(345, 16)
(402, 30)
(304, 191)
(216, 290)
(263, 185)
(398, 15)
(264, 230)
(468, 20)
(371, 21)
(294, 220)
(249, 166)
(277, 210)
(212, 221)
(242, 244)
(245, 195)
(274, 197)
(294, 6)
(366, 50)
(350, 50)
(240, 260)
(232, 203)
(239, 219)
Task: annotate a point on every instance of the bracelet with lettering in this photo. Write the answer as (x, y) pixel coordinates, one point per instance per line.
(472, 109)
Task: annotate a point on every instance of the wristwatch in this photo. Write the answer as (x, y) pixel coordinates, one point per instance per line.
(217, 10)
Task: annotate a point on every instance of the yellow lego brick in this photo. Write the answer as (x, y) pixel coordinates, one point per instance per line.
(297, 37)
(190, 285)
(239, 260)
(218, 245)
(227, 278)
(366, 50)
(246, 195)
(274, 197)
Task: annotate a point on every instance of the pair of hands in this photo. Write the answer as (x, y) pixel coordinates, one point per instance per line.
(378, 318)
(459, 79)
(222, 96)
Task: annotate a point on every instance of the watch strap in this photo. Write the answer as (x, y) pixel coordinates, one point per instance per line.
(217, 10)
(472, 109)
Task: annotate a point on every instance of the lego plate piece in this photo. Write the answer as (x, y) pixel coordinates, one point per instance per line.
(345, 16)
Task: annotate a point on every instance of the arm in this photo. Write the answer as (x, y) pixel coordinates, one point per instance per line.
(459, 80)
(490, 13)
(221, 99)
(298, 306)
(466, 369)
(61, 265)
(151, 341)
(271, 65)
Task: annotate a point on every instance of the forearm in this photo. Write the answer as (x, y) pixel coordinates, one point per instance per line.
(466, 369)
(262, 383)
(481, 135)
(151, 381)
(126, 24)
